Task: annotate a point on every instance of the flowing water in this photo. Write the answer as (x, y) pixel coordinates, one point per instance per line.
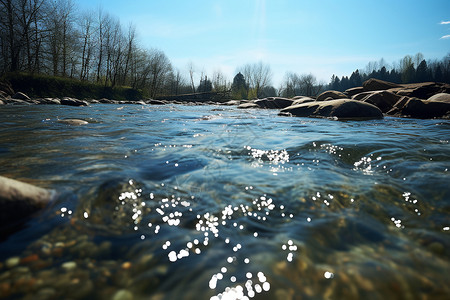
(200, 202)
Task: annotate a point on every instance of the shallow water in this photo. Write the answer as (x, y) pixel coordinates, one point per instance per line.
(200, 202)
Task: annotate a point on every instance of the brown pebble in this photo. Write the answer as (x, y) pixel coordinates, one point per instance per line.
(126, 265)
(30, 258)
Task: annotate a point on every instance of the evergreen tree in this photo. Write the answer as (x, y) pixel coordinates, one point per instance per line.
(422, 72)
(239, 87)
(355, 79)
(438, 76)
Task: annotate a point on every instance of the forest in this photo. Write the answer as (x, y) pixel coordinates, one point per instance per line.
(54, 38)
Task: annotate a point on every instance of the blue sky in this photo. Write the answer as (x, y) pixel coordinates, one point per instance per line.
(322, 37)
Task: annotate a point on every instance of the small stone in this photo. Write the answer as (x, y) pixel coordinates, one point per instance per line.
(30, 258)
(126, 265)
(70, 265)
(12, 262)
(436, 248)
(123, 295)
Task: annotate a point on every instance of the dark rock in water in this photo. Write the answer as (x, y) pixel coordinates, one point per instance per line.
(342, 109)
(17, 102)
(73, 102)
(155, 102)
(51, 101)
(73, 122)
(248, 105)
(19, 200)
(425, 109)
(332, 95)
(384, 100)
(274, 102)
(21, 96)
(377, 85)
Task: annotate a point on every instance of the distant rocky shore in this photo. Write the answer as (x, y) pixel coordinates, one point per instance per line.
(374, 100)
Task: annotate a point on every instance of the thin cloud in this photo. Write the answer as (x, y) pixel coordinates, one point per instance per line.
(445, 37)
(445, 22)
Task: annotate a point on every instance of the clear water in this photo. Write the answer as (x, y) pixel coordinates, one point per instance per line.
(200, 202)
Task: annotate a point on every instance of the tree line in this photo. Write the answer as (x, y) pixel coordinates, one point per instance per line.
(409, 69)
(53, 37)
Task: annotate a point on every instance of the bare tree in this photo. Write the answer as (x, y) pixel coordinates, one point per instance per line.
(220, 83)
(258, 76)
(191, 69)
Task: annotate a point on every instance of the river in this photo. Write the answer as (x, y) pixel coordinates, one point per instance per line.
(213, 202)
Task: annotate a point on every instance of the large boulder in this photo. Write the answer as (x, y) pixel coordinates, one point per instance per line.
(441, 97)
(378, 85)
(425, 109)
(303, 100)
(21, 96)
(19, 200)
(331, 94)
(341, 109)
(384, 100)
(422, 90)
(274, 102)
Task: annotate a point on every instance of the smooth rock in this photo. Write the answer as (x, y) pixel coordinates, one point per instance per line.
(331, 94)
(155, 102)
(354, 91)
(21, 96)
(2, 103)
(49, 101)
(19, 200)
(384, 100)
(73, 122)
(73, 102)
(441, 97)
(376, 85)
(342, 109)
(123, 295)
(68, 266)
(423, 90)
(12, 262)
(274, 102)
(248, 105)
(425, 109)
(303, 100)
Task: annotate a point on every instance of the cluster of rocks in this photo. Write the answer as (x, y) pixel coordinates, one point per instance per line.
(373, 100)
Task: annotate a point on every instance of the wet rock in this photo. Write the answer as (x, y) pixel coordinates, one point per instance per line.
(231, 102)
(21, 96)
(248, 105)
(68, 266)
(123, 295)
(342, 109)
(52, 101)
(73, 102)
(384, 100)
(19, 200)
(75, 122)
(2, 103)
(376, 85)
(332, 95)
(12, 262)
(425, 109)
(16, 101)
(274, 102)
(155, 102)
